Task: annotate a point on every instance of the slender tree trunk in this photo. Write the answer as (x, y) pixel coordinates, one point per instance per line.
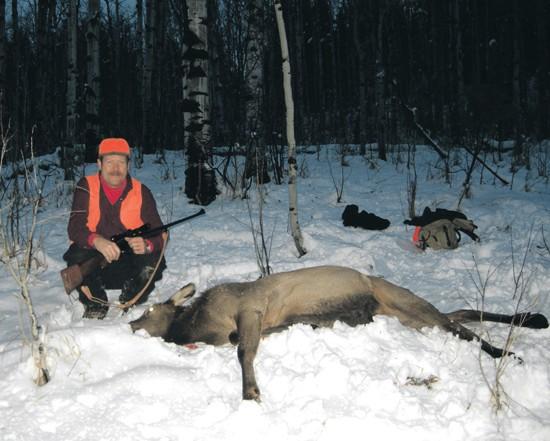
(159, 111)
(40, 126)
(189, 105)
(292, 172)
(93, 90)
(138, 157)
(543, 95)
(480, 37)
(299, 69)
(435, 109)
(380, 98)
(358, 38)
(2, 58)
(148, 63)
(256, 163)
(16, 107)
(517, 97)
(72, 73)
(197, 77)
(200, 182)
(338, 123)
(319, 90)
(71, 117)
(114, 27)
(459, 61)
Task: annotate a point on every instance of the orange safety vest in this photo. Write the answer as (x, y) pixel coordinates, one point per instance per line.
(130, 208)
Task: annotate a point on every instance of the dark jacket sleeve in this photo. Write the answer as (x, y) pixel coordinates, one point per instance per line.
(150, 215)
(77, 229)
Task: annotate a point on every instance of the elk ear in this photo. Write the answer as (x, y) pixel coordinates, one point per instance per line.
(183, 294)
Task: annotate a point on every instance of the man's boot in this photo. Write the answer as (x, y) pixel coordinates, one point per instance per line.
(94, 308)
(133, 286)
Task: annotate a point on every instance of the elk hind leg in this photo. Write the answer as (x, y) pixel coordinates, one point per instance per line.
(524, 319)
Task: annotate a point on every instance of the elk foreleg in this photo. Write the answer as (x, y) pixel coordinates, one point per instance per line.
(249, 325)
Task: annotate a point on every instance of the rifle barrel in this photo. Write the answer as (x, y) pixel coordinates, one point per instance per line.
(165, 227)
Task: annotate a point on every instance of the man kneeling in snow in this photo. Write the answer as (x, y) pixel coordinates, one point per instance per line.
(105, 204)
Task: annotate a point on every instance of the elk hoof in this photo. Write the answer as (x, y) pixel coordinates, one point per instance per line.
(536, 321)
(252, 393)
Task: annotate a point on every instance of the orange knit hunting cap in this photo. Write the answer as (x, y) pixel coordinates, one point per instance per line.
(114, 146)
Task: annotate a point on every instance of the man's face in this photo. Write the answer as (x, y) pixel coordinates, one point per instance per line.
(114, 169)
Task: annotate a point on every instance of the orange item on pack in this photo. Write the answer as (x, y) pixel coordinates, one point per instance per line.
(416, 235)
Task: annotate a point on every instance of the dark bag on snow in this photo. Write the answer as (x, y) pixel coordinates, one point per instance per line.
(441, 229)
(351, 217)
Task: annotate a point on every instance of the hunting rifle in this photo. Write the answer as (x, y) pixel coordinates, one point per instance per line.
(74, 275)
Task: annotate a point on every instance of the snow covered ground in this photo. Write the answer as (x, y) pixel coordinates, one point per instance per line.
(379, 381)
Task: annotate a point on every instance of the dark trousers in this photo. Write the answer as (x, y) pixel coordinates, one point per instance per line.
(129, 273)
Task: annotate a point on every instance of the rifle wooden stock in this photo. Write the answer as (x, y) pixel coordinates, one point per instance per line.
(73, 275)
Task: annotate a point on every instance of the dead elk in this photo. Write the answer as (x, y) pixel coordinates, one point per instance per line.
(241, 313)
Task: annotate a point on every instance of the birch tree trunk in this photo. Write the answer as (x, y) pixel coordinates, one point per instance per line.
(200, 181)
(289, 104)
(92, 91)
(196, 77)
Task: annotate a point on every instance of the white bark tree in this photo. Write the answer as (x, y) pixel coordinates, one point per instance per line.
(200, 182)
(195, 73)
(289, 104)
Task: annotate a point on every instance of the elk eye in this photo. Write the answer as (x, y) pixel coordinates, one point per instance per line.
(151, 308)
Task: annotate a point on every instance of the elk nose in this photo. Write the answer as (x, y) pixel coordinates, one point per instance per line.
(134, 325)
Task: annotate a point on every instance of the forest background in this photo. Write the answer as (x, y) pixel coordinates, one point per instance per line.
(363, 71)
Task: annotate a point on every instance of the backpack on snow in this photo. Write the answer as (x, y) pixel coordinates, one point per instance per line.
(441, 229)
(351, 217)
